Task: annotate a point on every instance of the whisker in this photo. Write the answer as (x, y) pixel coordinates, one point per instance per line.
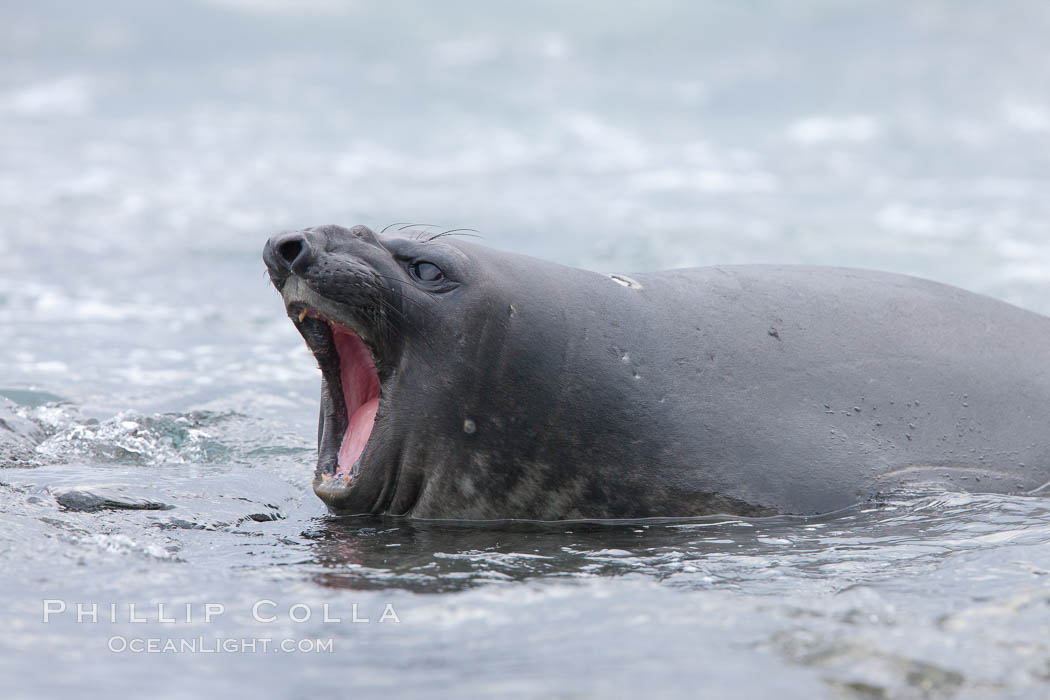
(456, 232)
(400, 315)
(404, 226)
(400, 293)
(409, 299)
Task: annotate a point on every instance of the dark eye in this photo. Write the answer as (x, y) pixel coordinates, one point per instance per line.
(426, 271)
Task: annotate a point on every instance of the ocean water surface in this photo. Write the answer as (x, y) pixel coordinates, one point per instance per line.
(163, 409)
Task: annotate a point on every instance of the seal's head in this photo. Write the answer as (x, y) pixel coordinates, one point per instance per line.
(361, 304)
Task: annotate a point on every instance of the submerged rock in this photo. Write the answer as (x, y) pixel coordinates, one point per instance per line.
(103, 497)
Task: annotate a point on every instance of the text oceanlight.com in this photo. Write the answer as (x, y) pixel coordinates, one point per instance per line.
(218, 645)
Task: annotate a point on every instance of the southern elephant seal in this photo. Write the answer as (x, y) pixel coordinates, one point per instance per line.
(464, 382)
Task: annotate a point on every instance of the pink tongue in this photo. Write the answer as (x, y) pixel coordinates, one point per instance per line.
(357, 435)
(360, 395)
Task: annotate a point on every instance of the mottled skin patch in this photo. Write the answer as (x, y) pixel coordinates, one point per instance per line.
(531, 390)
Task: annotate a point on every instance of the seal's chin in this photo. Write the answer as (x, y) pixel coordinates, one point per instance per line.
(350, 397)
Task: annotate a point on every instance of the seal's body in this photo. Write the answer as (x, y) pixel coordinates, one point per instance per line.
(464, 382)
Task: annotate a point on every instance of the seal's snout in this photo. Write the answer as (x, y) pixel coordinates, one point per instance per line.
(292, 252)
(285, 253)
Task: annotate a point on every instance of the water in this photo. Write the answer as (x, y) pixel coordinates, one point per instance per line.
(150, 149)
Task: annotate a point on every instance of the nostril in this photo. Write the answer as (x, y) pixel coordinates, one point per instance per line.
(289, 250)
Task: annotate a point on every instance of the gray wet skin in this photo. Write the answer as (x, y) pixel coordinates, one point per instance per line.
(514, 387)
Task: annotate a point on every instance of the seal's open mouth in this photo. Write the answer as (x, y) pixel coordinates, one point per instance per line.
(351, 393)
